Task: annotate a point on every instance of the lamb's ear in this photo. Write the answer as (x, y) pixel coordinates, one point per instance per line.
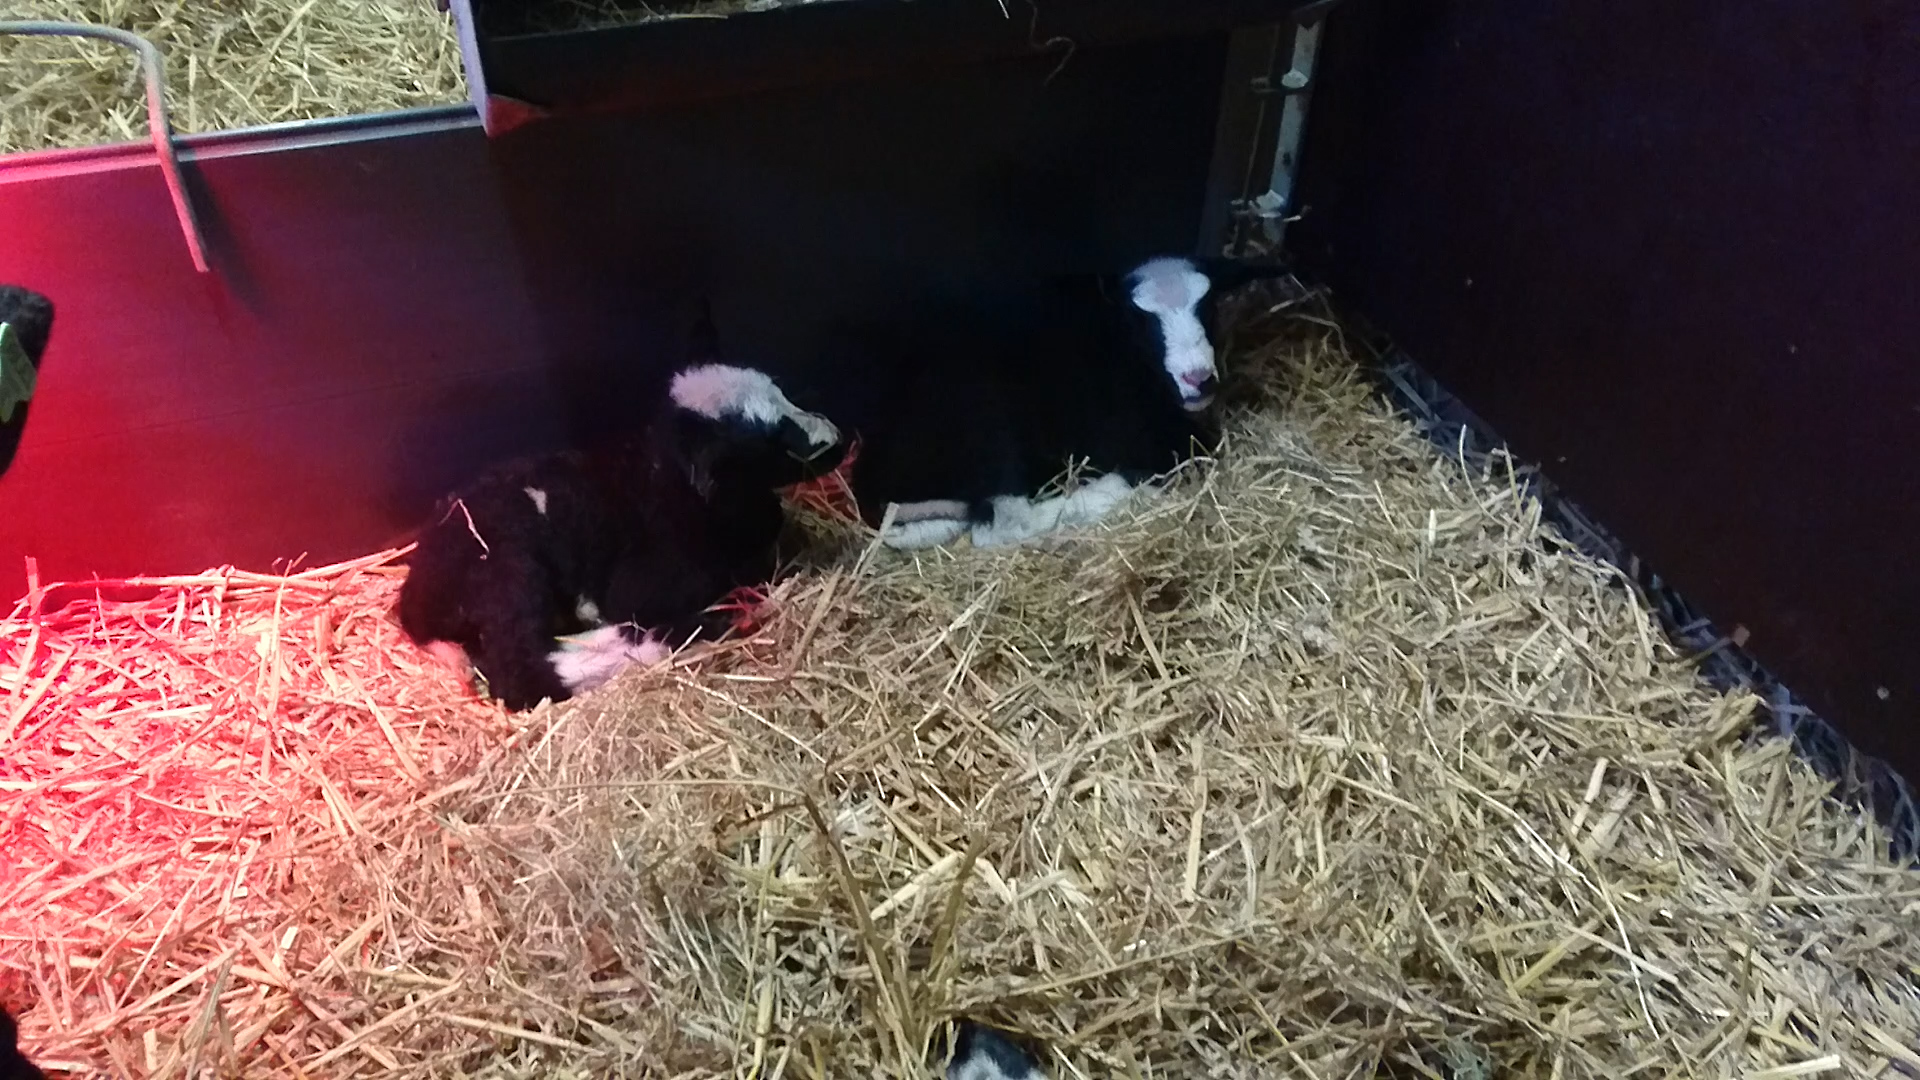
(690, 446)
(1229, 274)
(699, 466)
(703, 339)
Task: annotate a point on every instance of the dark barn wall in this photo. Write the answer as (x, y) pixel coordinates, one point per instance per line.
(1669, 251)
(792, 207)
(364, 340)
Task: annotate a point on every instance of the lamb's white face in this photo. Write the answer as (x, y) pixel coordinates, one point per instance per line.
(724, 392)
(1171, 290)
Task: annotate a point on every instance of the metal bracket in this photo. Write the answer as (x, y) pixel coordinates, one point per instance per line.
(1271, 208)
(154, 68)
(1293, 82)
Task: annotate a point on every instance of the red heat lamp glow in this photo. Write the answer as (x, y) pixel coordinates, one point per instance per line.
(744, 604)
(832, 495)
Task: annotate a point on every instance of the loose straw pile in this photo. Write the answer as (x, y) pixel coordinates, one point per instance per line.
(194, 783)
(230, 64)
(1330, 762)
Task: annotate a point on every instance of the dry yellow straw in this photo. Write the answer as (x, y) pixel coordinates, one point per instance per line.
(229, 64)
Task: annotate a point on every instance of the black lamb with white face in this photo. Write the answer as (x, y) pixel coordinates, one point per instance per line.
(968, 406)
(623, 549)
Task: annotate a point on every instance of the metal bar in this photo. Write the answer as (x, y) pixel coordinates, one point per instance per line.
(1241, 133)
(153, 66)
(1277, 98)
(1296, 84)
(466, 26)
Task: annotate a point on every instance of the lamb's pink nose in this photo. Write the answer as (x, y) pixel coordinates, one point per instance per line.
(1197, 379)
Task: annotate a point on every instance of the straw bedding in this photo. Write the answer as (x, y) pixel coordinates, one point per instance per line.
(230, 64)
(1332, 762)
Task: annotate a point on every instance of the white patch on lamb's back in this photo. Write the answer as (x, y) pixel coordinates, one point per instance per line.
(1171, 290)
(722, 391)
(1017, 519)
(590, 660)
(539, 498)
(922, 534)
(1093, 501)
(930, 510)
